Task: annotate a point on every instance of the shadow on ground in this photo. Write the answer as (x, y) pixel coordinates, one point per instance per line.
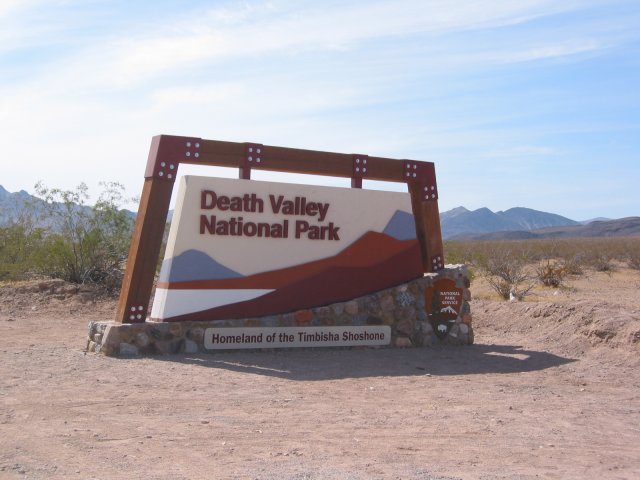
(313, 365)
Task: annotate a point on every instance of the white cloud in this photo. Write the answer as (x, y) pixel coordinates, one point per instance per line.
(521, 151)
(374, 77)
(544, 50)
(17, 30)
(8, 7)
(186, 42)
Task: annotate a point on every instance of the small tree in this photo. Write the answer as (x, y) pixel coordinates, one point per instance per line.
(85, 244)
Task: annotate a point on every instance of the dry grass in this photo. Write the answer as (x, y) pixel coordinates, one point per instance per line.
(512, 268)
(585, 251)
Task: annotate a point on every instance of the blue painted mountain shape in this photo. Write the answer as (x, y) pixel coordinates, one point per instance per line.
(402, 226)
(194, 265)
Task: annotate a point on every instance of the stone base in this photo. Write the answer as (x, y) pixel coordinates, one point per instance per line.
(401, 307)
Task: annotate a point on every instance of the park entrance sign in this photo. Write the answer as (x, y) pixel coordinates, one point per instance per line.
(168, 152)
(253, 264)
(242, 248)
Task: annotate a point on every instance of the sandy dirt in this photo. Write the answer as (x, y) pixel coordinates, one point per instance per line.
(550, 390)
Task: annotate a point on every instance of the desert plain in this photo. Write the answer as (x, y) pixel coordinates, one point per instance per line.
(550, 389)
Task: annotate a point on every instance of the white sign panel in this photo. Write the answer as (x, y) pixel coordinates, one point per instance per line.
(244, 248)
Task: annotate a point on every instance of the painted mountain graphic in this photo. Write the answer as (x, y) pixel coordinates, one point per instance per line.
(402, 226)
(374, 262)
(193, 265)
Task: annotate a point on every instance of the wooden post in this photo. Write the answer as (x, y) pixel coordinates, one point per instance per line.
(160, 175)
(421, 180)
(144, 251)
(427, 216)
(168, 152)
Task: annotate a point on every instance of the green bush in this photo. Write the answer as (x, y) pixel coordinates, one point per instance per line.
(75, 242)
(18, 245)
(86, 244)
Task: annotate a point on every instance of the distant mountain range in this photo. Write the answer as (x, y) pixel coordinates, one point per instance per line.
(463, 223)
(458, 223)
(622, 227)
(522, 223)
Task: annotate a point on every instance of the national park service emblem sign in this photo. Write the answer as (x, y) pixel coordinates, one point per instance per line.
(443, 302)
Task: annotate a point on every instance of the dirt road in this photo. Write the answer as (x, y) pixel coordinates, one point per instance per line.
(550, 390)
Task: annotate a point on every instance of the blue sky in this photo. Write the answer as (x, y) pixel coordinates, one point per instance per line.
(530, 103)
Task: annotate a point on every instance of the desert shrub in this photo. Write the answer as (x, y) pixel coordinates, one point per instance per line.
(84, 244)
(634, 261)
(20, 240)
(602, 262)
(574, 264)
(551, 273)
(506, 272)
(633, 255)
(18, 244)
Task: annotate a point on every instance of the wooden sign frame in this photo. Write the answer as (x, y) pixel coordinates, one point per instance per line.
(168, 152)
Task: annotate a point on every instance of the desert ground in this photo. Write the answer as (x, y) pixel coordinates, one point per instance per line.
(551, 389)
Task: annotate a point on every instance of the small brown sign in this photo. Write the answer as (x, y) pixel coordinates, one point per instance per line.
(444, 299)
(443, 302)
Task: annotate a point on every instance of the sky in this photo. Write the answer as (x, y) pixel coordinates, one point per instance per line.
(530, 103)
